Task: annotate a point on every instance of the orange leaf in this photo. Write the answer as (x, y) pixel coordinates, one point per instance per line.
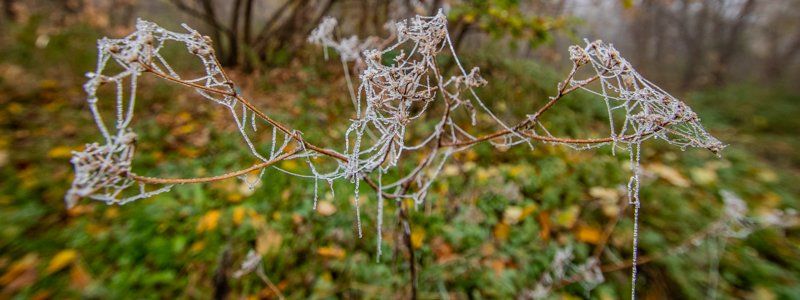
(208, 221)
(18, 268)
(238, 215)
(332, 251)
(501, 231)
(544, 221)
(79, 277)
(588, 234)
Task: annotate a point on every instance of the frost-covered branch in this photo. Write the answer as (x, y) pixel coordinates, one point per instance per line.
(390, 99)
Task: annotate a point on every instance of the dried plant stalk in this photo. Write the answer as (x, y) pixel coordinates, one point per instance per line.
(388, 99)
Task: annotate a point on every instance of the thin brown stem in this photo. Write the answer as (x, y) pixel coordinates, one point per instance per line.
(258, 166)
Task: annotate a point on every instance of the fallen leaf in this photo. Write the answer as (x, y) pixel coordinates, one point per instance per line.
(79, 278)
(512, 215)
(61, 260)
(604, 194)
(289, 165)
(268, 241)
(544, 222)
(703, 176)
(60, 152)
(332, 251)
(588, 234)
(26, 264)
(417, 237)
(42, 295)
(567, 218)
(442, 250)
(208, 221)
(501, 231)
(498, 265)
(669, 174)
(3, 157)
(766, 175)
(239, 213)
(325, 208)
(197, 246)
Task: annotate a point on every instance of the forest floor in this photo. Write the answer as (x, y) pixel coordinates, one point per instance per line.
(490, 227)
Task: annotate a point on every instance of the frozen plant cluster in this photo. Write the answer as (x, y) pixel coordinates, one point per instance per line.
(400, 88)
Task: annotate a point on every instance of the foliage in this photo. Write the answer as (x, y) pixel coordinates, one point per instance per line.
(507, 19)
(491, 228)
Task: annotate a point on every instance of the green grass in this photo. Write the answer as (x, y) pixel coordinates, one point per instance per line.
(170, 246)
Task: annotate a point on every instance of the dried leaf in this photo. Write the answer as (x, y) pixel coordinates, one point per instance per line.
(417, 237)
(239, 213)
(669, 174)
(79, 277)
(588, 234)
(703, 176)
(61, 260)
(501, 231)
(325, 208)
(567, 218)
(209, 221)
(332, 251)
(544, 222)
(604, 194)
(26, 264)
(512, 215)
(268, 241)
(60, 152)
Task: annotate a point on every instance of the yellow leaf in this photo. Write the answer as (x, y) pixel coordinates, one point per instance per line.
(289, 165)
(627, 3)
(239, 213)
(208, 221)
(669, 174)
(588, 234)
(111, 213)
(60, 152)
(61, 260)
(528, 210)
(501, 231)
(184, 129)
(197, 246)
(332, 251)
(516, 170)
(417, 237)
(568, 217)
(234, 197)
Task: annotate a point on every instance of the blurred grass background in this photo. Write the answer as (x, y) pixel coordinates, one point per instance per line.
(489, 230)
